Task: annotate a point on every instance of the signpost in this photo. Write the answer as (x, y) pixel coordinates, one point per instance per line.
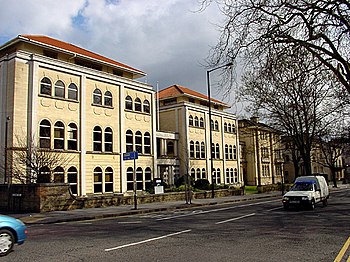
(133, 156)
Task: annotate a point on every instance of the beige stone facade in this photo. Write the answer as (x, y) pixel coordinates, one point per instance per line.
(262, 154)
(185, 113)
(80, 104)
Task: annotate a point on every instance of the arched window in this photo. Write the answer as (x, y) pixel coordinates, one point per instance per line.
(97, 97)
(138, 142)
(202, 150)
(201, 122)
(45, 134)
(139, 178)
(97, 138)
(217, 152)
(198, 174)
(97, 180)
(212, 150)
(44, 175)
(226, 152)
(212, 124)
(138, 106)
(190, 120)
(234, 152)
(108, 139)
(148, 178)
(227, 175)
(196, 121)
(191, 149)
(130, 179)
(193, 173)
(204, 174)
(218, 176)
(232, 176)
(59, 135)
(72, 136)
(146, 107)
(233, 128)
(198, 150)
(128, 103)
(109, 179)
(229, 128)
(72, 91)
(147, 143)
(45, 86)
(170, 148)
(236, 175)
(58, 175)
(231, 157)
(59, 89)
(225, 127)
(216, 125)
(129, 141)
(108, 98)
(72, 179)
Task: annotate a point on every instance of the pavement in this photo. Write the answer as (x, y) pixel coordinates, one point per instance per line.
(128, 210)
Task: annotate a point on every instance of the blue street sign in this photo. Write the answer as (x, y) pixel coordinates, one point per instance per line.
(130, 156)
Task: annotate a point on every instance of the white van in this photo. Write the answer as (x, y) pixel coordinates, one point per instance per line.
(307, 191)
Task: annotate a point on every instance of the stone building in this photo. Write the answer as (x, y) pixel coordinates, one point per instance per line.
(262, 153)
(184, 113)
(58, 97)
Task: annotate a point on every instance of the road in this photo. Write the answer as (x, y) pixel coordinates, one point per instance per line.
(248, 231)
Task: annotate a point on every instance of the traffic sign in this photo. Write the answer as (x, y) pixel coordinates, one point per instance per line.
(130, 155)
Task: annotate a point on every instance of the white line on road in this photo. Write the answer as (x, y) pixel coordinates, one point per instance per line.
(148, 240)
(233, 219)
(272, 209)
(215, 210)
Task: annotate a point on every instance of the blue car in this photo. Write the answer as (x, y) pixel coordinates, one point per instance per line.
(12, 231)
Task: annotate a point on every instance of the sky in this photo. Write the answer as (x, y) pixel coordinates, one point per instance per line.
(167, 39)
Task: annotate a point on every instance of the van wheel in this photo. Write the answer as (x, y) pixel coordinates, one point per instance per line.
(312, 205)
(325, 202)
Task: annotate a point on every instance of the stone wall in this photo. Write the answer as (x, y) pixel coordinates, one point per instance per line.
(50, 197)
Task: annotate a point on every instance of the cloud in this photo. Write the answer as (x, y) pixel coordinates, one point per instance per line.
(36, 16)
(168, 40)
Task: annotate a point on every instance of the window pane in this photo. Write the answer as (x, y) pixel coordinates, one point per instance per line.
(45, 86)
(108, 98)
(59, 89)
(138, 104)
(146, 107)
(128, 103)
(72, 92)
(97, 99)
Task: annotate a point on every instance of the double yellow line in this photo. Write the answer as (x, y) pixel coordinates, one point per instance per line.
(342, 252)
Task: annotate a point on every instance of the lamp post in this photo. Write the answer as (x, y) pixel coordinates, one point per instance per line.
(211, 127)
(6, 178)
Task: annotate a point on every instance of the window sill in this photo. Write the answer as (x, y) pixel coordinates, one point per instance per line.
(59, 98)
(103, 106)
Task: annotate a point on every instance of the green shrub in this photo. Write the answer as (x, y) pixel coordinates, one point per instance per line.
(202, 184)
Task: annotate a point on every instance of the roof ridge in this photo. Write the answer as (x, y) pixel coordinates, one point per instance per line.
(47, 40)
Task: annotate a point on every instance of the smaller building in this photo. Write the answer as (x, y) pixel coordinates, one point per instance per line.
(262, 153)
(184, 136)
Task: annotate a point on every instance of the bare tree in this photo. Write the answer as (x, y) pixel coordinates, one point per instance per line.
(27, 163)
(331, 146)
(252, 28)
(297, 97)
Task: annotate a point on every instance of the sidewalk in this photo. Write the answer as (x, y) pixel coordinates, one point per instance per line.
(118, 211)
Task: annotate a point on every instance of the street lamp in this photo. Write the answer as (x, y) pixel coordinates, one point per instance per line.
(211, 127)
(7, 177)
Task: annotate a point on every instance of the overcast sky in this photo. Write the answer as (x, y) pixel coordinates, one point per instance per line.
(167, 39)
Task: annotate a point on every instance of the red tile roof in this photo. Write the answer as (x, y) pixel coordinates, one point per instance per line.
(76, 50)
(177, 90)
